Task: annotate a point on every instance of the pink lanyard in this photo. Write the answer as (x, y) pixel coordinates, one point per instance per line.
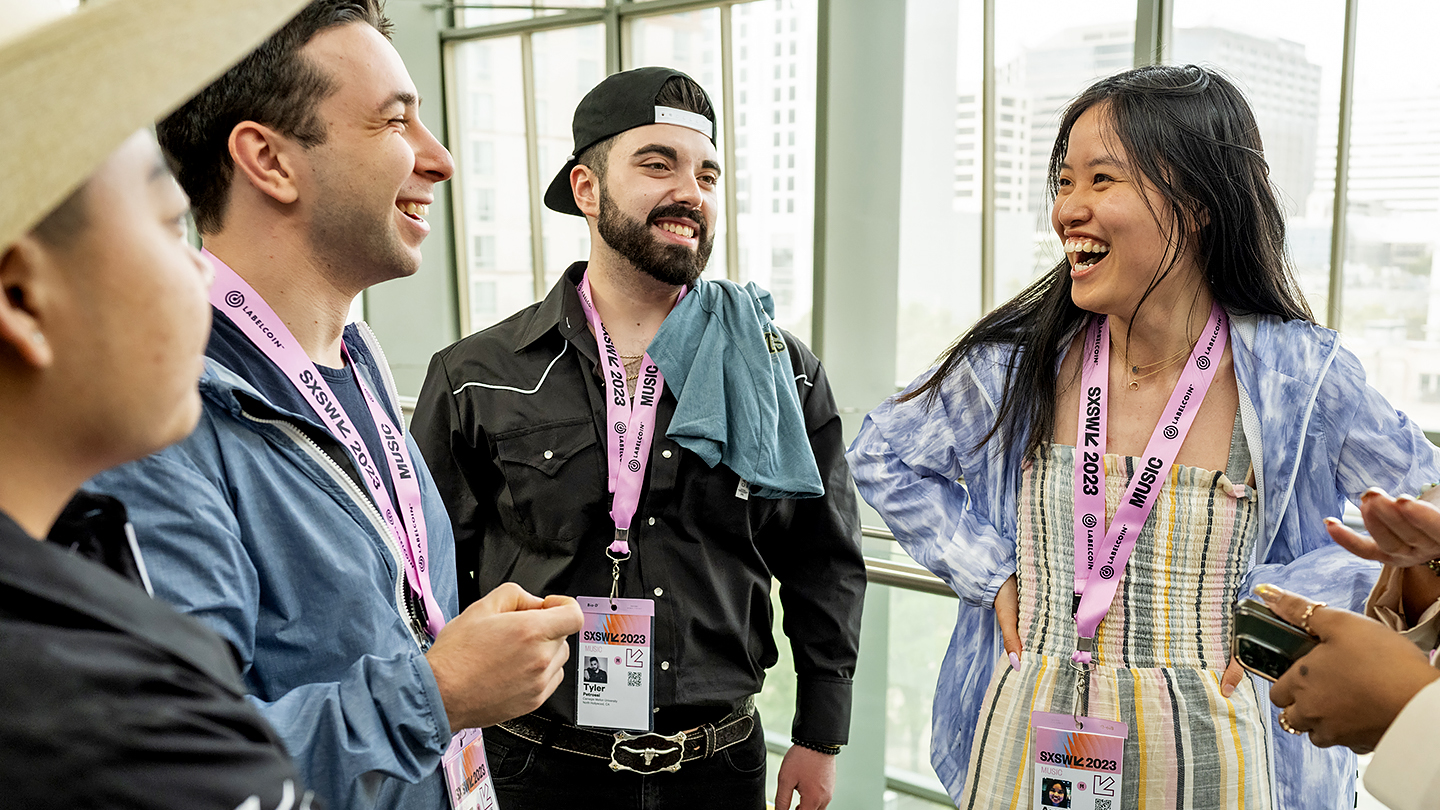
(235, 298)
(1093, 596)
(631, 422)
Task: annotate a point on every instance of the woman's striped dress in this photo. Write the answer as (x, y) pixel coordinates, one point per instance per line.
(1160, 652)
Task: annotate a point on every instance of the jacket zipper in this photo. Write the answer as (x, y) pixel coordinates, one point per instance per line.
(367, 336)
(338, 474)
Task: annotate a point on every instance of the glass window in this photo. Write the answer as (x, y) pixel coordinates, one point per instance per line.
(1045, 55)
(939, 292)
(1391, 298)
(920, 625)
(489, 147)
(568, 62)
(1286, 59)
(471, 17)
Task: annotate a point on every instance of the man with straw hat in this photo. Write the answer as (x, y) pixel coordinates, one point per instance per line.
(298, 519)
(108, 698)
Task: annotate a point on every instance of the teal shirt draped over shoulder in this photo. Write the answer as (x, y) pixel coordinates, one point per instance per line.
(1317, 434)
(736, 400)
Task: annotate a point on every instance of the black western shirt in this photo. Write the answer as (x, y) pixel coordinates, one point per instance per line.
(511, 422)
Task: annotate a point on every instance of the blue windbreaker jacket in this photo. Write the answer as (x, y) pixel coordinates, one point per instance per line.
(251, 526)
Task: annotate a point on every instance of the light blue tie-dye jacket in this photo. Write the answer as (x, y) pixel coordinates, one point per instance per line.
(1317, 435)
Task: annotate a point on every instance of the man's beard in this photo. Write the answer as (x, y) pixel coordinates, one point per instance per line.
(675, 265)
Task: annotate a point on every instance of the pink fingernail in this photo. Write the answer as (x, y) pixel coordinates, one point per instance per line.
(1015, 661)
(1227, 690)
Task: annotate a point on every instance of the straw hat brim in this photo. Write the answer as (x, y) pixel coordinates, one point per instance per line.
(79, 85)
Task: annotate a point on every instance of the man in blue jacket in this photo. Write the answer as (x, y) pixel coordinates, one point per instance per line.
(299, 520)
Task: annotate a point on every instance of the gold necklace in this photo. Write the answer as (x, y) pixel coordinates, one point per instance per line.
(632, 366)
(1167, 361)
(1135, 381)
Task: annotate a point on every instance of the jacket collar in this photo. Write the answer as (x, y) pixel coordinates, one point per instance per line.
(1275, 363)
(68, 580)
(232, 362)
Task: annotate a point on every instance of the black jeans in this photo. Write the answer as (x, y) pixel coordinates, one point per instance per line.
(535, 777)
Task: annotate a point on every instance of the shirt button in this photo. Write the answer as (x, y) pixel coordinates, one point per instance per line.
(651, 521)
(659, 591)
(665, 665)
(549, 454)
(665, 453)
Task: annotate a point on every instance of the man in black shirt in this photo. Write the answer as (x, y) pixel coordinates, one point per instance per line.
(531, 446)
(108, 698)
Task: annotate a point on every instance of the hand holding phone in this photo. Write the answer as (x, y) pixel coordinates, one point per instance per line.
(1264, 643)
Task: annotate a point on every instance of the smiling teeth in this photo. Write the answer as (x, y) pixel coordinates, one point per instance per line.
(679, 230)
(414, 209)
(1077, 245)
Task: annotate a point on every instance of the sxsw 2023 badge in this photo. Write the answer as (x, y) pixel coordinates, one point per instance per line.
(1078, 768)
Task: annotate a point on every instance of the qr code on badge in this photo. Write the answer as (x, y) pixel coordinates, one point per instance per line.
(1102, 804)
(634, 678)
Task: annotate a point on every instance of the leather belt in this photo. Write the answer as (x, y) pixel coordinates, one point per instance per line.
(644, 753)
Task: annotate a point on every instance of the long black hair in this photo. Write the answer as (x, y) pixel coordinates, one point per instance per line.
(1192, 135)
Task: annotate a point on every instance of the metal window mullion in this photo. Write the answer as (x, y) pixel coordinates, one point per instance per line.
(987, 163)
(569, 19)
(614, 37)
(457, 196)
(1340, 204)
(532, 160)
(727, 95)
(1152, 31)
(655, 8)
(819, 287)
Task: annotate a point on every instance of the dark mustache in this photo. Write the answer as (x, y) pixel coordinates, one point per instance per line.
(677, 211)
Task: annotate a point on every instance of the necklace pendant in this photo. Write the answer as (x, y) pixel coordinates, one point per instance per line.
(1134, 385)
(1134, 369)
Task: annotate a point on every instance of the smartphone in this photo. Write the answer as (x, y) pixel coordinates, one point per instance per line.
(1264, 643)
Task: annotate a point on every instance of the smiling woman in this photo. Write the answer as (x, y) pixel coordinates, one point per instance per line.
(1111, 557)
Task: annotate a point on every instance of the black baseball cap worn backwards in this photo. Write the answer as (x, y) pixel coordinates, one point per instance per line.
(623, 101)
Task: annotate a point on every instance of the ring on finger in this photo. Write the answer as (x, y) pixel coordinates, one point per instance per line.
(1305, 617)
(1285, 724)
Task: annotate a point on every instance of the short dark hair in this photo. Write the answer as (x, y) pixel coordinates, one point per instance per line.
(274, 86)
(678, 92)
(67, 221)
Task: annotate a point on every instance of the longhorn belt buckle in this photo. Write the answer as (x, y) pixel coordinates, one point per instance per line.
(647, 753)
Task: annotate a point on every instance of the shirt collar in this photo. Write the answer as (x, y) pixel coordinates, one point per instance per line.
(560, 310)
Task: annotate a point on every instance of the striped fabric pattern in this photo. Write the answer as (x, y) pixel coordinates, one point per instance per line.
(1160, 652)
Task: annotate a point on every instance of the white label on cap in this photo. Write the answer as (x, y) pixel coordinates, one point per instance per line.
(699, 123)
